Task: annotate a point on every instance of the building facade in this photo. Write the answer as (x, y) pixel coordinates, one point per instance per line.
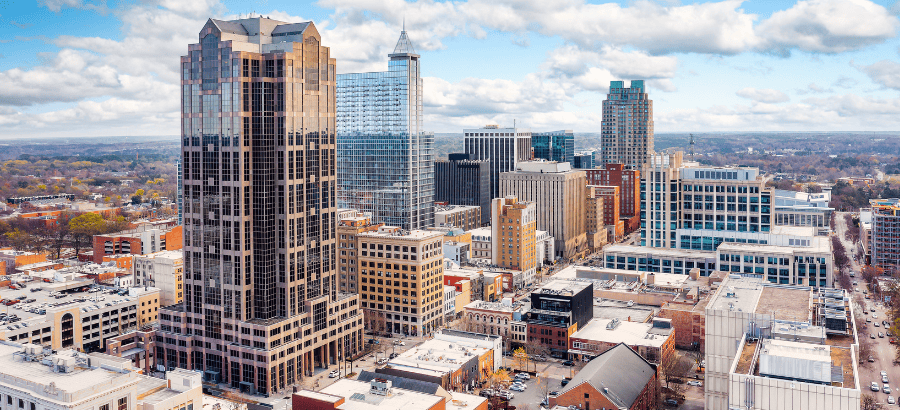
(401, 280)
(627, 127)
(559, 197)
(558, 309)
(385, 161)
(348, 250)
(162, 270)
(885, 234)
(465, 217)
(627, 178)
(461, 180)
(595, 207)
(583, 160)
(513, 234)
(261, 307)
(556, 146)
(503, 148)
(612, 223)
(660, 200)
(139, 241)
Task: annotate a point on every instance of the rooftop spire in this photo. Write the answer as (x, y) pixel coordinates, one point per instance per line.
(404, 46)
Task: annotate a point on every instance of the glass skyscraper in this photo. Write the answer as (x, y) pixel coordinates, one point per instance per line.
(554, 146)
(385, 161)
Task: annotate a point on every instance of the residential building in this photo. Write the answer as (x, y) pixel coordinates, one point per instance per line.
(401, 280)
(612, 222)
(163, 270)
(660, 200)
(617, 379)
(503, 148)
(83, 325)
(495, 318)
(763, 338)
(559, 197)
(647, 259)
(654, 341)
(597, 234)
(482, 245)
(628, 179)
(794, 208)
(556, 146)
(885, 233)
(513, 226)
(67, 380)
(347, 231)
(385, 161)
(627, 128)
(465, 217)
(558, 309)
(139, 241)
(463, 180)
(382, 392)
(456, 360)
(261, 308)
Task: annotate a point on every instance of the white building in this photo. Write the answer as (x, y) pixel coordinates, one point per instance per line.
(545, 247)
(450, 301)
(481, 245)
(163, 270)
(502, 147)
(793, 208)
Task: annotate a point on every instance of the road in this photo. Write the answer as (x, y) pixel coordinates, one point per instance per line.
(883, 355)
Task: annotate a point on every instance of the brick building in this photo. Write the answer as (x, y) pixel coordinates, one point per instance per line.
(617, 379)
(139, 241)
(611, 196)
(627, 178)
(558, 309)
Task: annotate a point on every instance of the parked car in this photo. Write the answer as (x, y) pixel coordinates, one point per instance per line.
(872, 336)
(517, 387)
(871, 359)
(891, 400)
(381, 361)
(884, 379)
(874, 386)
(524, 376)
(886, 389)
(490, 393)
(399, 343)
(881, 335)
(672, 402)
(333, 374)
(695, 383)
(565, 381)
(568, 363)
(393, 355)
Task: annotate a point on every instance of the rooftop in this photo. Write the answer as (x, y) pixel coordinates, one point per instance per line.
(440, 355)
(543, 167)
(397, 233)
(791, 304)
(568, 287)
(616, 309)
(359, 396)
(171, 255)
(616, 331)
(660, 252)
(818, 244)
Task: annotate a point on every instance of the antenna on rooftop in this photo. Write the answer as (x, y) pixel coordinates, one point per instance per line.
(692, 147)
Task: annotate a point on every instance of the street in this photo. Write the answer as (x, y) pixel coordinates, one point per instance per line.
(884, 358)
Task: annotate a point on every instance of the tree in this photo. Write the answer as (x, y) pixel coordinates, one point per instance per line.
(499, 378)
(136, 200)
(20, 240)
(522, 359)
(84, 227)
(59, 233)
(869, 403)
(675, 369)
(870, 273)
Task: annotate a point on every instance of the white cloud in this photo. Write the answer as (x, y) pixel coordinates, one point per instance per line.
(828, 26)
(763, 95)
(885, 72)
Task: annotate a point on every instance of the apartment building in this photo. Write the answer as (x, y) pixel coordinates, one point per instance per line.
(513, 227)
(559, 197)
(884, 245)
(503, 148)
(558, 309)
(140, 241)
(617, 379)
(465, 217)
(348, 250)
(164, 271)
(627, 128)
(482, 245)
(401, 280)
(627, 178)
(660, 200)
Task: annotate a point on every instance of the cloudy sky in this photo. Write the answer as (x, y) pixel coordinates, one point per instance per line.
(109, 68)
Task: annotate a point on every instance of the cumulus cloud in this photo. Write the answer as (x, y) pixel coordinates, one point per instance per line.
(885, 73)
(58, 5)
(763, 95)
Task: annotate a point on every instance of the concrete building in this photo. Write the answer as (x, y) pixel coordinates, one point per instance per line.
(347, 231)
(503, 148)
(647, 259)
(558, 309)
(653, 341)
(465, 217)
(140, 241)
(810, 266)
(764, 340)
(456, 360)
(401, 280)
(660, 204)
(559, 196)
(462, 180)
(82, 323)
(482, 245)
(385, 162)
(627, 128)
(885, 234)
(382, 392)
(261, 308)
(617, 379)
(794, 208)
(554, 145)
(545, 247)
(513, 227)
(164, 271)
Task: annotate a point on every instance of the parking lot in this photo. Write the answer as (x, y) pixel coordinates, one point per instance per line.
(34, 300)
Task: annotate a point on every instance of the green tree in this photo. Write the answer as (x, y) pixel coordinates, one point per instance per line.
(84, 227)
(20, 240)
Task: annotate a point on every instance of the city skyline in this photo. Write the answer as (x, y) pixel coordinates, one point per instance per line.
(74, 68)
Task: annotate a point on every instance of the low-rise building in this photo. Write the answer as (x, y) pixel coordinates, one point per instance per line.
(481, 245)
(809, 265)
(558, 309)
(545, 247)
(385, 393)
(653, 341)
(494, 318)
(11, 259)
(619, 378)
(465, 217)
(793, 208)
(456, 360)
(163, 270)
(646, 259)
(142, 240)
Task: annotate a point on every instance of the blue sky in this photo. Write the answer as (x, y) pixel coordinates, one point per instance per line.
(108, 68)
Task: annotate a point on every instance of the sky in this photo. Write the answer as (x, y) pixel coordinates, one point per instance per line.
(71, 68)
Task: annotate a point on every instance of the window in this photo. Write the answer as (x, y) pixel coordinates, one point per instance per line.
(123, 404)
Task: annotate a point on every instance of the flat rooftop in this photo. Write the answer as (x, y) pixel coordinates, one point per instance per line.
(563, 286)
(630, 333)
(816, 244)
(793, 230)
(738, 293)
(13, 367)
(358, 397)
(173, 255)
(463, 401)
(660, 252)
(615, 309)
(440, 355)
(785, 303)
(43, 300)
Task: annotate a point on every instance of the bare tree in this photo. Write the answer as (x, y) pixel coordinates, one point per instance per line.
(675, 369)
(869, 403)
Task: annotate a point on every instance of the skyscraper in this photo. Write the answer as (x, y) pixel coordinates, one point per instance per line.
(627, 127)
(260, 307)
(461, 180)
(502, 147)
(385, 161)
(554, 145)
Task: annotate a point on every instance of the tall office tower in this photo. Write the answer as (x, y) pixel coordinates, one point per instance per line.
(461, 180)
(660, 200)
(556, 146)
(348, 229)
(885, 234)
(627, 127)
(179, 200)
(513, 233)
(558, 192)
(502, 147)
(385, 161)
(401, 280)
(261, 308)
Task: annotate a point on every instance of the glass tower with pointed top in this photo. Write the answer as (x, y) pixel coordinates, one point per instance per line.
(385, 161)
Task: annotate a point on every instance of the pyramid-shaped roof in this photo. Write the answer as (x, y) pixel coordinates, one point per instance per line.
(404, 45)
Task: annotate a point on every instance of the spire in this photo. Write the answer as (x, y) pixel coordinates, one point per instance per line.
(404, 46)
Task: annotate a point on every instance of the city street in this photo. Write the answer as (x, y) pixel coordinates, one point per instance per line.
(884, 358)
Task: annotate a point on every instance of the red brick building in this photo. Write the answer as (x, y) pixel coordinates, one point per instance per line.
(140, 241)
(611, 210)
(617, 379)
(629, 182)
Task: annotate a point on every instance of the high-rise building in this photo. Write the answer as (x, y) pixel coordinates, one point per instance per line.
(163, 270)
(559, 196)
(583, 160)
(461, 180)
(660, 200)
(401, 280)
(627, 125)
(556, 146)
(179, 201)
(385, 161)
(513, 230)
(503, 148)
(261, 308)
(885, 233)
(611, 221)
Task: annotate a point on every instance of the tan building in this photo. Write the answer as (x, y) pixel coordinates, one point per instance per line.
(513, 229)
(495, 318)
(401, 280)
(615, 226)
(594, 212)
(465, 217)
(347, 230)
(559, 196)
(163, 270)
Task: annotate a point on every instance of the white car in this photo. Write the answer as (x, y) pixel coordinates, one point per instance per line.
(695, 383)
(874, 387)
(333, 374)
(874, 316)
(891, 400)
(399, 343)
(518, 387)
(523, 376)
